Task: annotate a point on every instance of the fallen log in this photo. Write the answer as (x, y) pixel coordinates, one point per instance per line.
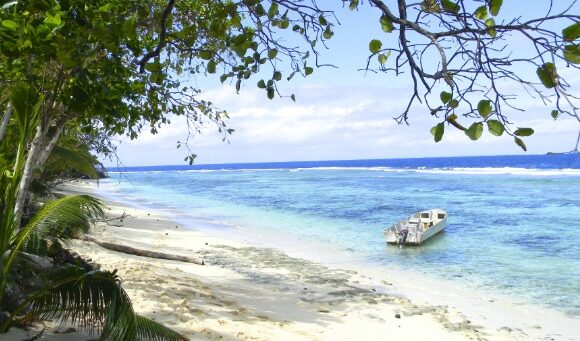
(140, 252)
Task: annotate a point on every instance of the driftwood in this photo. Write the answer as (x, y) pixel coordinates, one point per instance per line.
(140, 252)
(119, 218)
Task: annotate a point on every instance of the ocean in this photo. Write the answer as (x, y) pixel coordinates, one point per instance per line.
(513, 228)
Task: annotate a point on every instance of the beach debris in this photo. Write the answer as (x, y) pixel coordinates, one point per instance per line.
(66, 331)
(166, 233)
(323, 311)
(37, 336)
(119, 218)
(140, 252)
(397, 315)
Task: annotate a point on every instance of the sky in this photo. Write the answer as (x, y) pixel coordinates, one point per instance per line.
(340, 113)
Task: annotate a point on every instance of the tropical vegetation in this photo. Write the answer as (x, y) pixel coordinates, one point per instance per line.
(76, 74)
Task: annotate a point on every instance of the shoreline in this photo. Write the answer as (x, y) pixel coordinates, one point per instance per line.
(249, 292)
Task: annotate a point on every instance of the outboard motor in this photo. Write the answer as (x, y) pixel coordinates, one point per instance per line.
(403, 236)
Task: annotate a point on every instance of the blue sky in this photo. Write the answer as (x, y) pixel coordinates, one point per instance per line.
(341, 113)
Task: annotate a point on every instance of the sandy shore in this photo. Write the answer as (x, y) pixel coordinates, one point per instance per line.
(250, 293)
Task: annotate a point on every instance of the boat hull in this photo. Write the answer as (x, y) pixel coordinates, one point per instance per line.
(418, 229)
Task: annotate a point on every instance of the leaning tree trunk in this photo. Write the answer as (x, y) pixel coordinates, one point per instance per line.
(42, 145)
(5, 120)
(27, 172)
(50, 141)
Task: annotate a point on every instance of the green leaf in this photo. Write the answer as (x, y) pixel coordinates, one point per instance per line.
(524, 132)
(211, 66)
(53, 21)
(284, 24)
(10, 24)
(484, 108)
(273, 10)
(555, 114)
(450, 6)
(437, 131)
(495, 127)
(223, 78)
(571, 32)
(105, 8)
(520, 143)
(572, 53)
(386, 24)
(430, 6)
(383, 57)
(206, 55)
(270, 92)
(491, 23)
(272, 53)
(322, 20)
(308, 70)
(445, 97)
(453, 103)
(262, 84)
(353, 5)
(277, 75)
(548, 75)
(481, 13)
(375, 45)
(327, 34)
(494, 6)
(238, 84)
(474, 131)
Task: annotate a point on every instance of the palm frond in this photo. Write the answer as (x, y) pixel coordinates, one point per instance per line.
(76, 296)
(67, 160)
(96, 301)
(150, 330)
(57, 220)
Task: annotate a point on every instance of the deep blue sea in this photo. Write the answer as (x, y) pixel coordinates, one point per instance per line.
(514, 221)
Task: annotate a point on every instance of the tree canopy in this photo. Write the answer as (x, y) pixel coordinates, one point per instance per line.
(464, 55)
(117, 67)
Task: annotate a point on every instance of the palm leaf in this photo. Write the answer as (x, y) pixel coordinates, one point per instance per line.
(150, 330)
(72, 160)
(57, 220)
(95, 300)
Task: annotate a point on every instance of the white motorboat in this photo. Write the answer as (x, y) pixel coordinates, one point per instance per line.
(417, 228)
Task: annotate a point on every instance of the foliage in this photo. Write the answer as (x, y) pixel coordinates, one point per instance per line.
(94, 300)
(122, 66)
(461, 58)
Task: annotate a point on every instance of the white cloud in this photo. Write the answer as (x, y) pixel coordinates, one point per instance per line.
(334, 122)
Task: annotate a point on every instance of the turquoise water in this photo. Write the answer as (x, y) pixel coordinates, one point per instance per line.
(512, 230)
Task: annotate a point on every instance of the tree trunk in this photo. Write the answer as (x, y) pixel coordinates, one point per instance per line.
(140, 252)
(27, 173)
(50, 142)
(40, 149)
(5, 120)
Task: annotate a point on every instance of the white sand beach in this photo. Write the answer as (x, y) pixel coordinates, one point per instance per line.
(250, 293)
